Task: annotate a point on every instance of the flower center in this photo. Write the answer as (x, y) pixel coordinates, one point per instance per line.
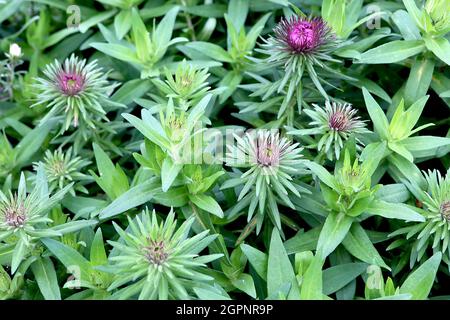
(445, 210)
(185, 81)
(268, 155)
(156, 253)
(71, 83)
(58, 168)
(15, 215)
(338, 121)
(301, 37)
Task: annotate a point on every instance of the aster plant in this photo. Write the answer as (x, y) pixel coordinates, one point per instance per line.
(24, 218)
(76, 90)
(351, 197)
(63, 168)
(399, 132)
(434, 201)
(158, 261)
(300, 45)
(187, 86)
(173, 135)
(271, 162)
(333, 125)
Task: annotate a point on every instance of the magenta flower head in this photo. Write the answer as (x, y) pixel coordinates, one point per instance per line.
(76, 90)
(301, 35)
(299, 45)
(333, 125)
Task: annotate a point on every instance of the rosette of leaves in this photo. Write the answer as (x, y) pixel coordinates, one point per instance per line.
(62, 168)
(423, 29)
(146, 51)
(86, 274)
(155, 260)
(271, 163)
(434, 201)
(351, 198)
(24, 222)
(172, 135)
(187, 86)
(398, 132)
(238, 52)
(333, 125)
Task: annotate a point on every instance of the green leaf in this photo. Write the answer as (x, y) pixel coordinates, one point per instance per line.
(169, 172)
(245, 283)
(141, 36)
(303, 241)
(122, 23)
(337, 277)
(395, 193)
(406, 25)
(163, 32)
(413, 11)
(440, 47)
(279, 268)
(394, 211)
(334, 230)
(213, 10)
(150, 128)
(9, 9)
(419, 80)
(117, 51)
(401, 150)
(98, 254)
(420, 282)
(20, 251)
(311, 288)
(32, 142)
(45, 275)
(257, 259)
(131, 90)
(380, 122)
(358, 244)
(73, 226)
(392, 52)
(206, 203)
(134, 197)
(69, 257)
(211, 50)
(237, 12)
(423, 146)
(323, 175)
(112, 180)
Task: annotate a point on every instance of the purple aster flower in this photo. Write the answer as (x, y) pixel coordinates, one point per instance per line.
(76, 89)
(272, 162)
(341, 117)
(333, 125)
(445, 210)
(269, 150)
(302, 35)
(155, 252)
(15, 213)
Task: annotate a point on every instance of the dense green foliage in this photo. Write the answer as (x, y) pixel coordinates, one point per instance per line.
(214, 149)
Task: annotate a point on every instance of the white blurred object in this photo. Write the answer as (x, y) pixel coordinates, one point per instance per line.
(15, 51)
